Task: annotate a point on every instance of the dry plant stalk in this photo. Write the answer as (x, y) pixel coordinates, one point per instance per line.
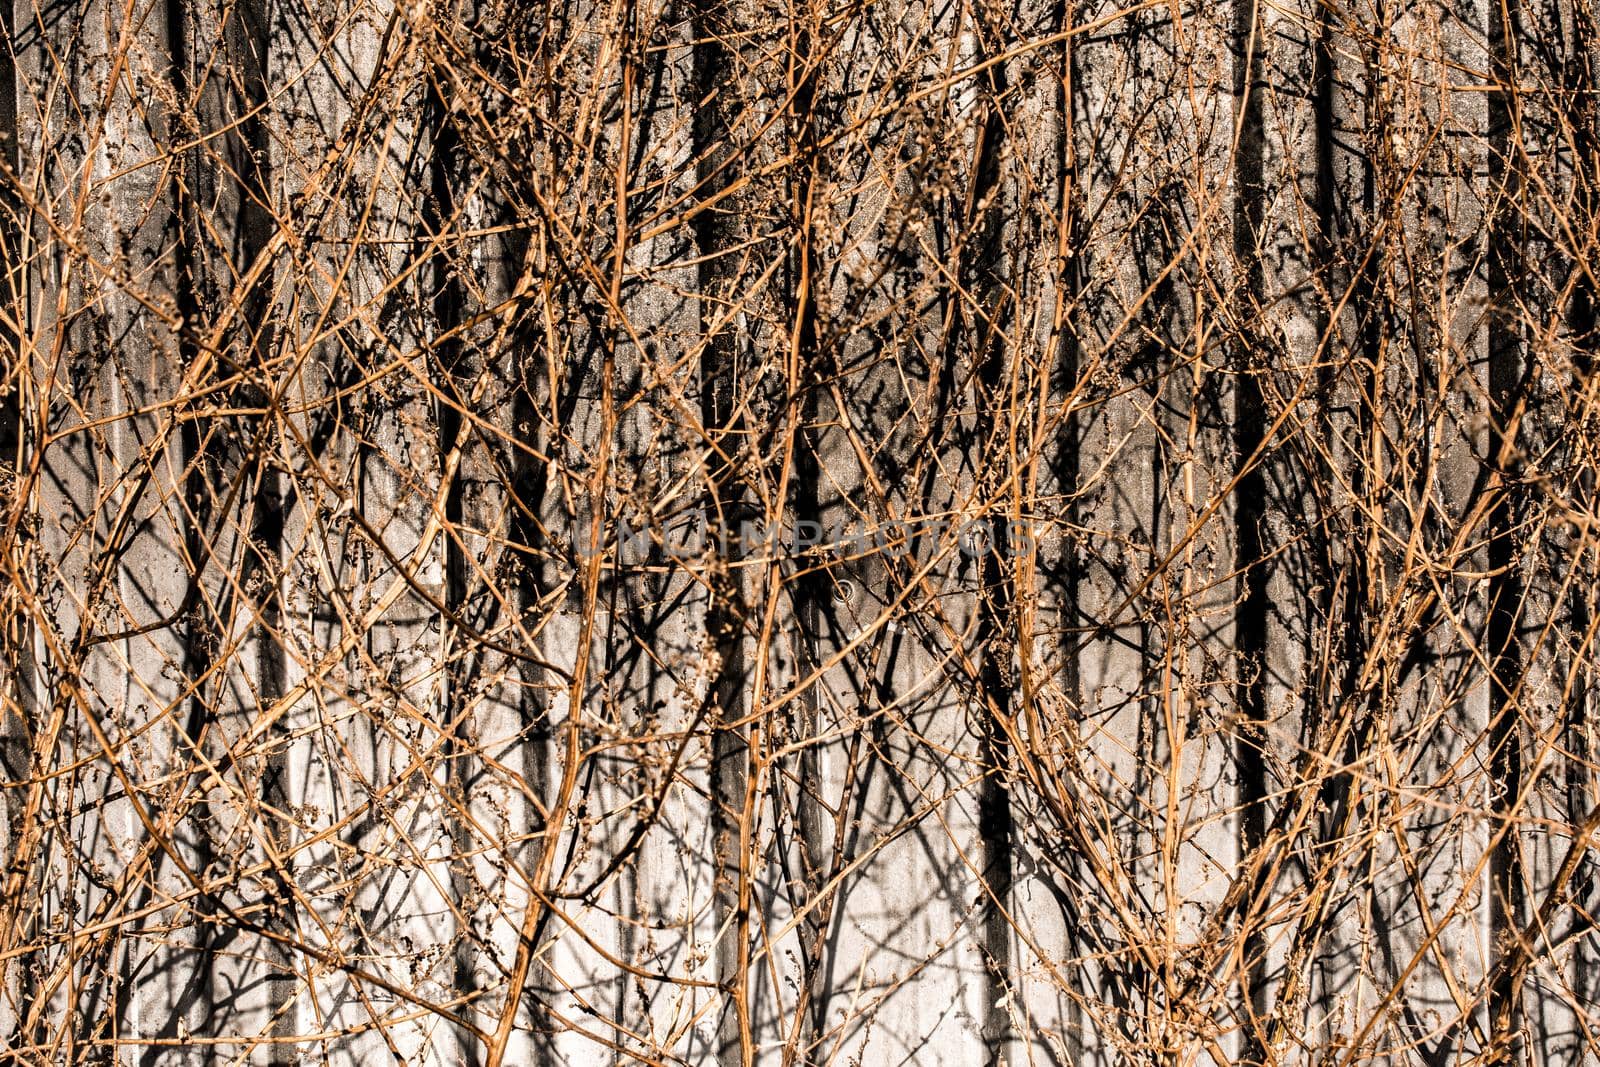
(710, 533)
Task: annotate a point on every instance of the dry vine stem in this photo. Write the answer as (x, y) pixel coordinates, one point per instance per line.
(711, 533)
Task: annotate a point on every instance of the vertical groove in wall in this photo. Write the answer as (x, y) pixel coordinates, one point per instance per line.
(1249, 422)
(716, 232)
(1066, 321)
(810, 598)
(179, 989)
(15, 641)
(529, 480)
(1505, 593)
(525, 502)
(16, 631)
(987, 321)
(455, 369)
(1583, 323)
(247, 42)
(1324, 85)
(807, 372)
(1066, 324)
(1371, 303)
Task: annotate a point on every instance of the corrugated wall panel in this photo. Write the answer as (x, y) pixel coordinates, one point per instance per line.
(1170, 431)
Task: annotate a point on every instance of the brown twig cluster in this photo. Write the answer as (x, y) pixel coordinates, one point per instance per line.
(838, 533)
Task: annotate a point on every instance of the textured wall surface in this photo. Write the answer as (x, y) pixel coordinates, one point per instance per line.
(638, 531)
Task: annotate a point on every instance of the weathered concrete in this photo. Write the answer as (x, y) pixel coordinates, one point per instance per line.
(1255, 333)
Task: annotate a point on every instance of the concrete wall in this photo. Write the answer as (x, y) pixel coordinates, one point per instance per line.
(1192, 407)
